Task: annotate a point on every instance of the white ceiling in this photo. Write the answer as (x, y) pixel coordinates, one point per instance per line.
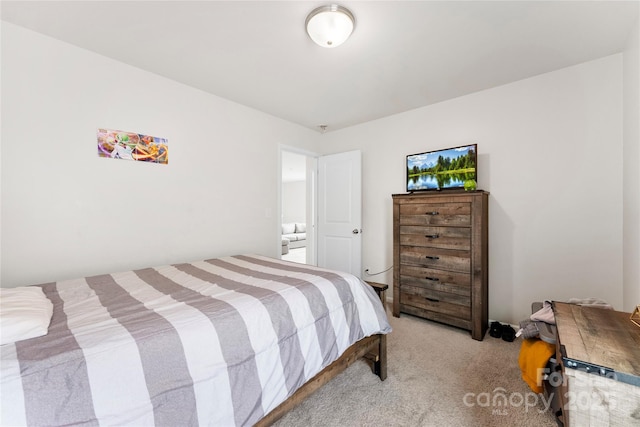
(402, 54)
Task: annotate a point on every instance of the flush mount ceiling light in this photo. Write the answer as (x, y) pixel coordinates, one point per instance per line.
(330, 26)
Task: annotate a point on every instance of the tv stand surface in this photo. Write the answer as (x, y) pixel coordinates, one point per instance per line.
(439, 191)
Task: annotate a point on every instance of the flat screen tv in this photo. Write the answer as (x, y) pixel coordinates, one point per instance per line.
(449, 168)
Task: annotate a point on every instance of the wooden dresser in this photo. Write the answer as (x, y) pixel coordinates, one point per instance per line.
(600, 354)
(440, 258)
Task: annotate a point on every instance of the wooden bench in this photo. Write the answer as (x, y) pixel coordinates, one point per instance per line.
(600, 354)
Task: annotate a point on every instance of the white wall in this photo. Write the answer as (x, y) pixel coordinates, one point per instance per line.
(294, 201)
(550, 153)
(631, 188)
(67, 213)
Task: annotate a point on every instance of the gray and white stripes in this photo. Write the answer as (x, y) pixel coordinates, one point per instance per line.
(218, 342)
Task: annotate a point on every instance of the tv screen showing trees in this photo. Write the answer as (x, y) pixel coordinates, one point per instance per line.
(442, 169)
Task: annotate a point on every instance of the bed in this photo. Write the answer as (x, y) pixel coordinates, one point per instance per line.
(235, 340)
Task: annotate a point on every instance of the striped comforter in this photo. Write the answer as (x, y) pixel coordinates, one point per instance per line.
(217, 342)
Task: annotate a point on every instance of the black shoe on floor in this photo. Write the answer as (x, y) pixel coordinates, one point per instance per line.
(508, 333)
(495, 330)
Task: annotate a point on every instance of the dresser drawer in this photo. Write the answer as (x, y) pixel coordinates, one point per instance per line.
(450, 278)
(436, 295)
(449, 214)
(436, 237)
(441, 259)
(437, 316)
(436, 280)
(434, 305)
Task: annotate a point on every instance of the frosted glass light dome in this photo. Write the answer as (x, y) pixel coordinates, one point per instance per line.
(330, 26)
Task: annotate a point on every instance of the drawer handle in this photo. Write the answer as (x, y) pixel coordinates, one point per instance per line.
(432, 257)
(432, 213)
(432, 236)
(434, 279)
(432, 299)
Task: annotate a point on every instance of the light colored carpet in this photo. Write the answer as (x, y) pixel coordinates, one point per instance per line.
(437, 376)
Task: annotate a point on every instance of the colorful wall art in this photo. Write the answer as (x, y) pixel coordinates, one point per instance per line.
(118, 144)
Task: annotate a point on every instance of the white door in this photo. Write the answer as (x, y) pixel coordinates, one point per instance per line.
(340, 212)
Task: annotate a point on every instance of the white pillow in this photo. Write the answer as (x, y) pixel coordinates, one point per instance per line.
(24, 313)
(301, 227)
(288, 228)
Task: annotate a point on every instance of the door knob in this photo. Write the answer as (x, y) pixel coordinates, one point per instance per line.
(355, 231)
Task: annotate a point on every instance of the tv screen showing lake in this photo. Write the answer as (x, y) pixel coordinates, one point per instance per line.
(450, 168)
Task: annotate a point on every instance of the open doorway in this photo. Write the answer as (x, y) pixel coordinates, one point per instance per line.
(297, 195)
(332, 209)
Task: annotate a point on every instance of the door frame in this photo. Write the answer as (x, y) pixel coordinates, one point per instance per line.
(311, 183)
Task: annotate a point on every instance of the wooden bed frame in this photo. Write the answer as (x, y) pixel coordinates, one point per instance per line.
(373, 348)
